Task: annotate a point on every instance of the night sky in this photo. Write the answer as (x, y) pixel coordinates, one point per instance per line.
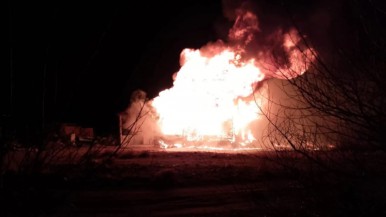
(79, 61)
(85, 58)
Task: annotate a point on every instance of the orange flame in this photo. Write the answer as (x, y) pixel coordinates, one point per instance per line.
(212, 93)
(207, 95)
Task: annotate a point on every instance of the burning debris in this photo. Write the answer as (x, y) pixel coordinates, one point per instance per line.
(219, 91)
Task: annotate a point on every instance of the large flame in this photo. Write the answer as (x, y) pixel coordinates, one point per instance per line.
(207, 98)
(213, 92)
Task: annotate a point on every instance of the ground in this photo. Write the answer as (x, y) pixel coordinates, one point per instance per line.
(148, 182)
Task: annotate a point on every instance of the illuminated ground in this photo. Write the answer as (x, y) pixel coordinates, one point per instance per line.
(139, 181)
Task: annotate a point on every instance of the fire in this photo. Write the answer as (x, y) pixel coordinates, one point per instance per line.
(208, 96)
(213, 92)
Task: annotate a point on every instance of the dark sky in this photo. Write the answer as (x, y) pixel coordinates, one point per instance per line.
(79, 61)
(85, 58)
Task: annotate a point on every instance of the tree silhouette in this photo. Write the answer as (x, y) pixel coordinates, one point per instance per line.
(340, 102)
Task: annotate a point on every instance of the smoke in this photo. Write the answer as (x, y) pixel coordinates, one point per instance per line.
(273, 49)
(327, 25)
(139, 122)
(271, 40)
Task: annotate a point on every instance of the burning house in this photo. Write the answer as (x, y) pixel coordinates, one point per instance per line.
(219, 92)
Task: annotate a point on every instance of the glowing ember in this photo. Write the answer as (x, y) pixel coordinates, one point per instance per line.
(212, 94)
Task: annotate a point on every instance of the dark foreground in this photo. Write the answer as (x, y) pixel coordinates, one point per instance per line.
(159, 183)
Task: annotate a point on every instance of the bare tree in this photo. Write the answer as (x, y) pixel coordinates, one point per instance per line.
(340, 102)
